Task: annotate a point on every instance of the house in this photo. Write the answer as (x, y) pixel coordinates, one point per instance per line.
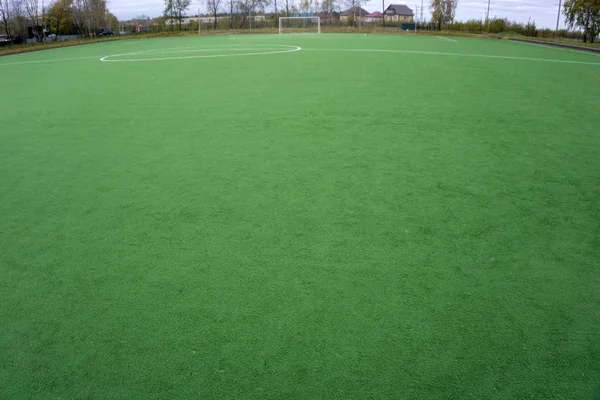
(353, 13)
(398, 13)
(323, 16)
(374, 17)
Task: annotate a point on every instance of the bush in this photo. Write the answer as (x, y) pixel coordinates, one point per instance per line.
(530, 29)
(497, 25)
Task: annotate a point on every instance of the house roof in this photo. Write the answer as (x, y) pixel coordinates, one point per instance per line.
(355, 11)
(323, 15)
(399, 9)
(375, 14)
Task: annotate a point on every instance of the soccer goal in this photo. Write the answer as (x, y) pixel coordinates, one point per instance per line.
(299, 25)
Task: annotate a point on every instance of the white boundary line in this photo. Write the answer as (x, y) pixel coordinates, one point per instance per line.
(287, 49)
(170, 49)
(458, 55)
(445, 38)
(50, 60)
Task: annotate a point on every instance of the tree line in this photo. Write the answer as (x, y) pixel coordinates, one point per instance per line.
(238, 11)
(21, 19)
(583, 15)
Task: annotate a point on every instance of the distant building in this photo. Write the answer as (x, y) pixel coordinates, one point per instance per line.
(323, 16)
(399, 13)
(374, 17)
(354, 13)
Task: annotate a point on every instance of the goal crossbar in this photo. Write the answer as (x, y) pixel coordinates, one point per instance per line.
(282, 19)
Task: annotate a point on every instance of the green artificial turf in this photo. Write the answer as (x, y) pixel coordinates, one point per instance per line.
(318, 224)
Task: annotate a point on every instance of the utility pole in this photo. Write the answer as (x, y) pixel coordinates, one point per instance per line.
(558, 15)
(421, 19)
(43, 18)
(359, 15)
(383, 11)
(416, 17)
(487, 14)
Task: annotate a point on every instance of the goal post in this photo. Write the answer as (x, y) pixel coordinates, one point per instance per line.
(299, 25)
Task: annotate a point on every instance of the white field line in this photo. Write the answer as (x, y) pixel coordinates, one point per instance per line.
(222, 47)
(49, 60)
(445, 38)
(437, 53)
(557, 47)
(277, 36)
(166, 51)
(209, 47)
(288, 50)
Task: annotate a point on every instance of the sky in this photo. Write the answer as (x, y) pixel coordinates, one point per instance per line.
(543, 12)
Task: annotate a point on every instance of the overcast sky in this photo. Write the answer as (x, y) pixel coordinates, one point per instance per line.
(543, 12)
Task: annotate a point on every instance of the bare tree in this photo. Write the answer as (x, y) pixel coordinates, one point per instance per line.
(354, 10)
(6, 15)
(249, 6)
(97, 14)
(328, 6)
(213, 7)
(32, 7)
(289, 6)
(79, 15)
(19, 17)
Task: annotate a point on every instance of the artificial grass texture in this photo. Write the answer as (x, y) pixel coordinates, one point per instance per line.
(316, 224)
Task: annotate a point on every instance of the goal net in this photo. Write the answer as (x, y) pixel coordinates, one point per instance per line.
(299, 25)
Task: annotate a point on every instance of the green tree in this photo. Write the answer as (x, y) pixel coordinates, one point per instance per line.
(113, 21)
(175, 10)
(59, 15)
(584, 14)
(443, 11)
(169, 12)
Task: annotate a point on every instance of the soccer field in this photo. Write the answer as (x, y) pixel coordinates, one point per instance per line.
(300, 217)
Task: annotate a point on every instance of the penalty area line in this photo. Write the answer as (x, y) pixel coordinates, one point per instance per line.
(289, 49)
(445, 38)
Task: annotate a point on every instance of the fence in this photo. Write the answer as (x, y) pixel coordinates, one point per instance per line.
(269, 24)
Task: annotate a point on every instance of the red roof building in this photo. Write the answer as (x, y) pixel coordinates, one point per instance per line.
(373, 17)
